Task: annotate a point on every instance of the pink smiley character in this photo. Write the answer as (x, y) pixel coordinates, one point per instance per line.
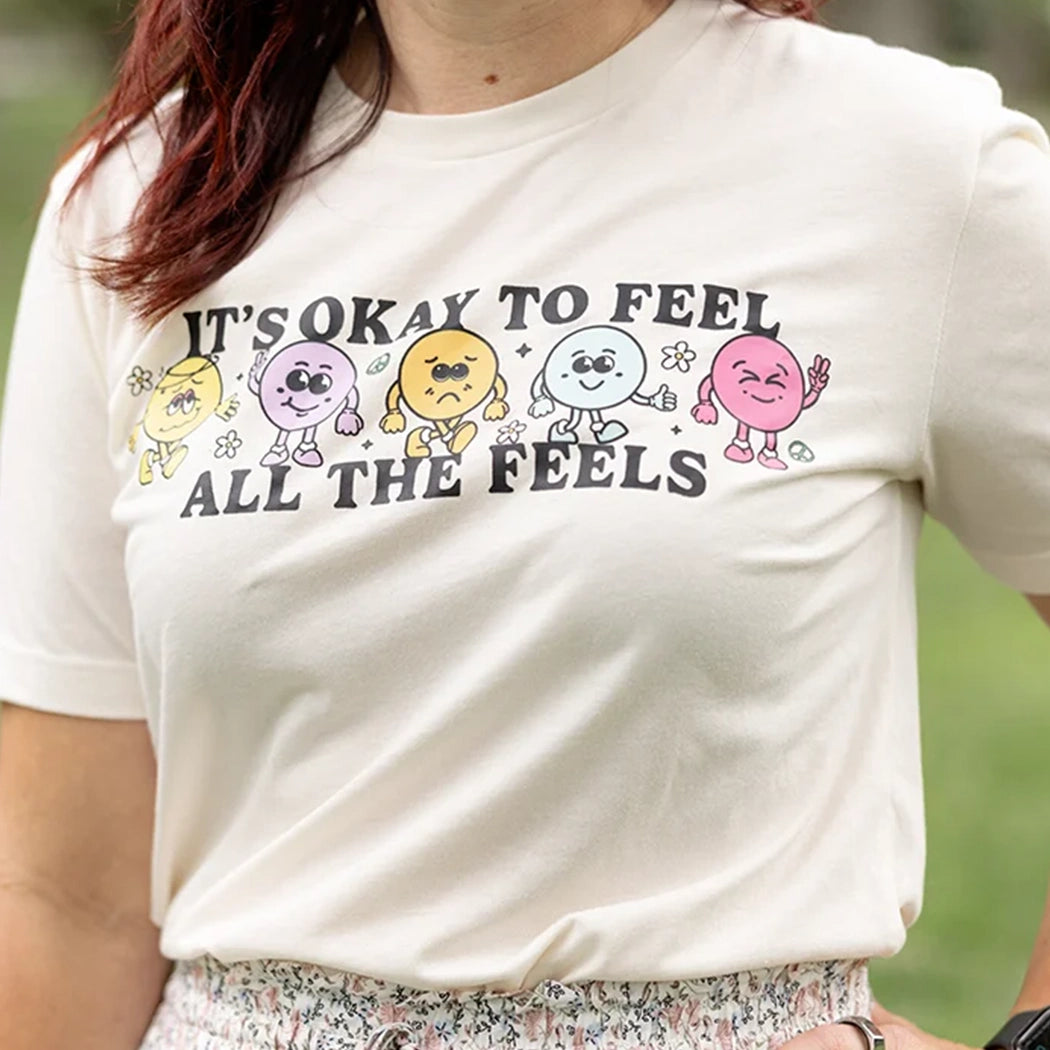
(760, 383)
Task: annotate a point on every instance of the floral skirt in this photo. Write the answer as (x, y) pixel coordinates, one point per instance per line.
(271, 1004)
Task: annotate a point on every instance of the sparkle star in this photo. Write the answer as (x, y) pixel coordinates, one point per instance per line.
(524, 350)
(676, 429)
(367, 444)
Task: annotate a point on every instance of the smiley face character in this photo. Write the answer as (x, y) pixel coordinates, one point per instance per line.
(591, 370)
(187, 394)
(300, 388)
(760, 383)
(443, 376)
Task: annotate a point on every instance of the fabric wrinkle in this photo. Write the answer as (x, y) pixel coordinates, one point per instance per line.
(395, 1036)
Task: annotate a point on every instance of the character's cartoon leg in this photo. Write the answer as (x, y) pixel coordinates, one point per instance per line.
(768, 456)
(417, 443)
(606, 430)
(149, 457)
(278, 450)
(175, 456)
(461, 435)
(307, 454)
(565, 429)
(739, 450)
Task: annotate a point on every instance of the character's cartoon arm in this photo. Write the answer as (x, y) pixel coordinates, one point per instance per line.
(255, 372)
(228, 409)
(348, 421)
(393, 422)
(134, 436)
(819, 374)
(664, 400)
(497, 408)
(542, 405)
(705, 411)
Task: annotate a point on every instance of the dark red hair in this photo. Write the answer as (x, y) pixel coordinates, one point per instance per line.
(251, 74)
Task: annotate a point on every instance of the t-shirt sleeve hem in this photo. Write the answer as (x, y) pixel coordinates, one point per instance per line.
(88, 688)
(1029, 574)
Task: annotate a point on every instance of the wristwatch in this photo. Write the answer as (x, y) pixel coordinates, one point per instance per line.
(1029, 1030)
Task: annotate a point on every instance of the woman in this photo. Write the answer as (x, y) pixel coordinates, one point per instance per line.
(479, 449)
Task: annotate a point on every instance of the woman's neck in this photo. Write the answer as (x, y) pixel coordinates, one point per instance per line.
(458, 56)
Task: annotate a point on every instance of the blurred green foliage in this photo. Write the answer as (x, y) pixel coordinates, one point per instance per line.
(1011, 37)
(985, 658)
(98, 17)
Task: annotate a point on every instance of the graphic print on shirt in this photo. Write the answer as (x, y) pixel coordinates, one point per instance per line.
(759, 382)
(378, 365)
(679, 357)
(418, 386)
(187, 395)
(302, 386)
(443, 376)
(588, 372)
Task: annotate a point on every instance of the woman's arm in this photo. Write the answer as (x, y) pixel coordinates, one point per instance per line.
(1035, 992)
(900, 1033)
(80, 964)
(1041, 604)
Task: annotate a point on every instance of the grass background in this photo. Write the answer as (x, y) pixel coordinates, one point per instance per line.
(985, 675)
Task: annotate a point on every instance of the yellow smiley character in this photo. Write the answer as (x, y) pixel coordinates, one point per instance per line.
(443, 376)
(188, 393)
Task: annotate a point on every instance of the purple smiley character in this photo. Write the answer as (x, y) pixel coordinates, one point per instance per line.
(299, 388)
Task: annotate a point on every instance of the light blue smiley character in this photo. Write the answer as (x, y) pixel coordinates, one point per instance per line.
(589, 371)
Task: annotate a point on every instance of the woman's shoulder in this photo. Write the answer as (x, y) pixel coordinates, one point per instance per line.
(872, 88)
(102, 205)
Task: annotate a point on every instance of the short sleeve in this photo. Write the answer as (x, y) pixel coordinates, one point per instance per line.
(66, 642)
(986, 464)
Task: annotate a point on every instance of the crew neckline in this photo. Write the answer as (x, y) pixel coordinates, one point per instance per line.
(624, 74)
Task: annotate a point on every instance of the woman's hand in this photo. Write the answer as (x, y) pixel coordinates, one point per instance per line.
(900, 1034)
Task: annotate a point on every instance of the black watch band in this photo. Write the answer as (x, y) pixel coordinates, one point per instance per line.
(1009, 1037)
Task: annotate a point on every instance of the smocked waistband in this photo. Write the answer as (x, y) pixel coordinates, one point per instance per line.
(285, 1005)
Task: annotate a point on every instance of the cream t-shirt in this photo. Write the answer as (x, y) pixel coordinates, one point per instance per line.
(513, 556)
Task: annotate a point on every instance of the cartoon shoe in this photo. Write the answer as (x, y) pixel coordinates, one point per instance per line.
(308, 454)
(771, 460)
(739, 451)
(561, 431)
(171, 464)
(277, 454)
(462, 436)
(610, 430)
(417, 442)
